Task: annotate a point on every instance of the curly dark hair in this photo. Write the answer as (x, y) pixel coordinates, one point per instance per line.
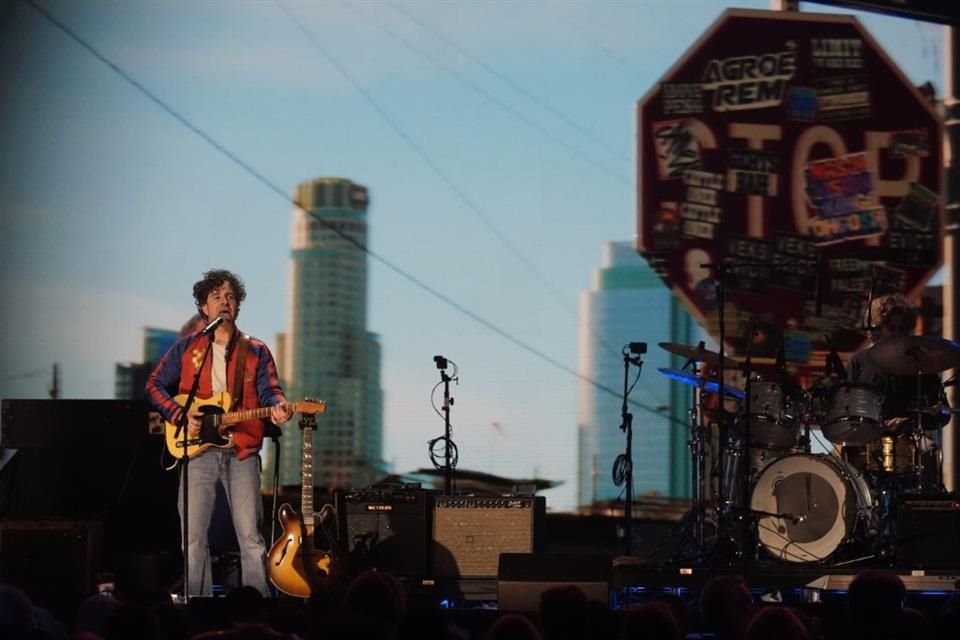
(894, 311)
(213, 279)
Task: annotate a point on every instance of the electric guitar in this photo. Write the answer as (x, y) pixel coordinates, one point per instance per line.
(294, 565)
(216, 423)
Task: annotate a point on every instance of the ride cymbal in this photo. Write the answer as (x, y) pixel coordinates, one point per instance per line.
(912, 355)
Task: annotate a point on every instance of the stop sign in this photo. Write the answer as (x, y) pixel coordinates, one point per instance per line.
(786, 156)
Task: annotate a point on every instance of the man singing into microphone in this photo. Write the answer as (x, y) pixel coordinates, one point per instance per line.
(243, 367)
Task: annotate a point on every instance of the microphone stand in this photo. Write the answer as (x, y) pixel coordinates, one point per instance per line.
(626, 459)
(185, 464)
(274, 432)
(447, 466)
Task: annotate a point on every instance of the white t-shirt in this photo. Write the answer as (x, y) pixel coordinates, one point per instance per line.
(218, 371)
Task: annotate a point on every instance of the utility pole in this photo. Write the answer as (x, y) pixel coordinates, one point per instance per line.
(55, 385)
(951, 239)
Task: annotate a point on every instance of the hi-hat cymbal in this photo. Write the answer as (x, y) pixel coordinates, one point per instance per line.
(699, 354)
(710, 386)
(912, 355)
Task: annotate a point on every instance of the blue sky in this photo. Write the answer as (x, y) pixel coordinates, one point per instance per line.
(515, 122)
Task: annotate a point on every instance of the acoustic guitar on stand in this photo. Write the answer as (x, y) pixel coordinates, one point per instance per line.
(294, 565)
(216, 423)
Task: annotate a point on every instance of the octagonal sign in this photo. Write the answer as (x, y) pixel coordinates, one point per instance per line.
(786, 156)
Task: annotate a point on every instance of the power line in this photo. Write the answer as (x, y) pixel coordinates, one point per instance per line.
(488, 96)
(266, 182)
(516, 86)
(435, 167)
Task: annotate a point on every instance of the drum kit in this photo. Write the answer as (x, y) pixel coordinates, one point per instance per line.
(769, 495)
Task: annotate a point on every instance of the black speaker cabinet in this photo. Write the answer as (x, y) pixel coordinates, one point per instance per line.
(385, 529)
(470, 533)
(523, 577)
(53, 561)
(928, 528)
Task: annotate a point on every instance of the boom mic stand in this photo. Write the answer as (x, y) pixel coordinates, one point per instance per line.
(623, 465)
(185, 464)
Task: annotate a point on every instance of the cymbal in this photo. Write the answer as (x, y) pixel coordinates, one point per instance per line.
(699, 354)
(710, 386)
(912, 355)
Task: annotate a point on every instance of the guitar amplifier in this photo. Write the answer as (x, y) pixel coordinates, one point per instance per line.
(470, 533)
(928, 528)
(53, 561)
(385, 529)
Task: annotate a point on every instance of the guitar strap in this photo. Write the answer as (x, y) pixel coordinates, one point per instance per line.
(240, 370)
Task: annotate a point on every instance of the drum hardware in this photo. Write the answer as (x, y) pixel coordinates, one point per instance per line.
(699, 443)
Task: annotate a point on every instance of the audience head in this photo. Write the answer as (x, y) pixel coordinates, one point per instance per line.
(563, 612)
(777, 622)
(727, 606)
(512, 626)
(875, 598)
(651, 621)
(377, 596)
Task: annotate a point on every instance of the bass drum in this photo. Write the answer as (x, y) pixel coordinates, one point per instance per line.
(809, 506)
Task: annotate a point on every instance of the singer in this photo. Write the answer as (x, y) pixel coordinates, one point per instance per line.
(244, 367)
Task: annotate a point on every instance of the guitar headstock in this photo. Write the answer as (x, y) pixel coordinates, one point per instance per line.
(308, 410)
(310, 406)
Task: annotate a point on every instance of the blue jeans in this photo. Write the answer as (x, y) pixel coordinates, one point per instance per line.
(241, 483)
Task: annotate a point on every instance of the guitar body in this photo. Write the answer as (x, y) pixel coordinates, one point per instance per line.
(216, 423)
(287, 569)
(211, 432)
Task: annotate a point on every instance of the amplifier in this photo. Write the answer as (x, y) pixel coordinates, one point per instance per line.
(470, 533)
(385, 529)
(928, 527)
(524, 577)
(53, 561)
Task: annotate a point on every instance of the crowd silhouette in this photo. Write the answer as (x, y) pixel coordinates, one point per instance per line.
(376, 606)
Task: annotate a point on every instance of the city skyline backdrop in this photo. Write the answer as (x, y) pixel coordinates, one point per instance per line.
(497, 142)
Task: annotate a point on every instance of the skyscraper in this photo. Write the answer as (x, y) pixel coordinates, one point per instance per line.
(626, 303)
(130, 378)
(328, 354)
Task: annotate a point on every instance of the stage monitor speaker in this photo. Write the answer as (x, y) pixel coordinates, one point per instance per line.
(470, 533)
(523, 577)
(385, 529)
(928, 528)
(53, 561)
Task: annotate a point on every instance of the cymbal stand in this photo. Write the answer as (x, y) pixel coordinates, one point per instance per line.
(698, 444)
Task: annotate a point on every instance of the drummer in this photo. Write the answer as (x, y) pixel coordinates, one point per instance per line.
(892, 316)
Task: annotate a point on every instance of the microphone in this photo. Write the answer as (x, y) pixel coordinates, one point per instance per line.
(216, 322)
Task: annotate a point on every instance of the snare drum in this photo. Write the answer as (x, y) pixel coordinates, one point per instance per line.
(817, 500)
(889, 454)
(853, 414)
(774, 415)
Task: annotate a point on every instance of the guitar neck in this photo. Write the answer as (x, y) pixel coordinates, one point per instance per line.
(243, 415)
(306, 491)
